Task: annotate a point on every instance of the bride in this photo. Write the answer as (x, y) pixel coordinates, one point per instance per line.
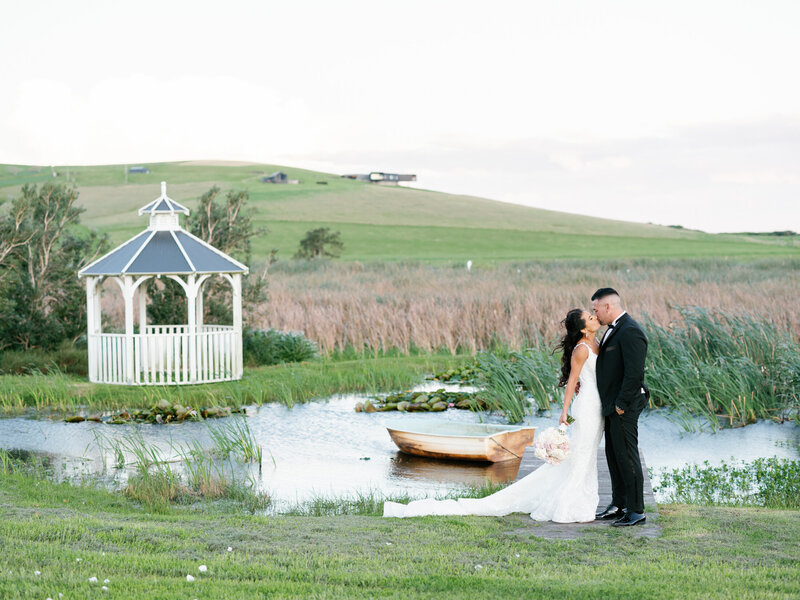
(564, 492)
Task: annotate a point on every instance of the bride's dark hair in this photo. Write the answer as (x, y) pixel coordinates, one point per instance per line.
(573, 323)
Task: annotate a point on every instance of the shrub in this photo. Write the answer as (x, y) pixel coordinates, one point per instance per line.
(320, 242)
(67, 358)
(271, 347)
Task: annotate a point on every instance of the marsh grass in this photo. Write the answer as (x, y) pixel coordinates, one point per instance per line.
(538, 373)
(235, 438)
(155, 484)
(30, 464)
(66, 359)
(158, 489)
(408, 306)
(288, 384)
(108, 445)
(502, 390)
(730, 369)
(769, 482)
(210, 478)
(6, 462)
(191, 472)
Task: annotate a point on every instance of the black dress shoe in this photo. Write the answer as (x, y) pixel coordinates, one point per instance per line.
(630, 518)
(610, 512)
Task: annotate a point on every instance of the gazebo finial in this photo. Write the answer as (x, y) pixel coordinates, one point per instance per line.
(164, 211)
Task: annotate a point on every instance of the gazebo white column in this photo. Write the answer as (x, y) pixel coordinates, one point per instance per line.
(92, 322)
(128, 289)
(236, 282)
(142, 309)
(191, 310)
(199, 307)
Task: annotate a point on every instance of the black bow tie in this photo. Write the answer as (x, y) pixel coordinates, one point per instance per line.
(611, 326)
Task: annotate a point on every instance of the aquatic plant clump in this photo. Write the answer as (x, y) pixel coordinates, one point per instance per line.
(162, 412)
(436, 401)
(461, 374)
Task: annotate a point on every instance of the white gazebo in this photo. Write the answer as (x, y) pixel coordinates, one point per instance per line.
(164, 354)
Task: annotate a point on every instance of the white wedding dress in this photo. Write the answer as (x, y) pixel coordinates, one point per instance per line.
(564, 493)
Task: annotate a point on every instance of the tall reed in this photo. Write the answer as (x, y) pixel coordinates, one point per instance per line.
(155, 484)
(737, 368)
(538, 372)
(502, 389)
(235, 438)
(191, 472)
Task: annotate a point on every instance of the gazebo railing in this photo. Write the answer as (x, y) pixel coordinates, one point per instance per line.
(166, 355)
(169, 329)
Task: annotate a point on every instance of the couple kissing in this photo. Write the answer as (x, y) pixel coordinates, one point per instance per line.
(605, 393)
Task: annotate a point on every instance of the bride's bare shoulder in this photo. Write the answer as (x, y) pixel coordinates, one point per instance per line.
(580, 352)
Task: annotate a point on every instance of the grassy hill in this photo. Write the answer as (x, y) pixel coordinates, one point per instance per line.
(382, 223)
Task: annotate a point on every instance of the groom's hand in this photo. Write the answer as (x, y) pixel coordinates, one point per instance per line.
(619, 410)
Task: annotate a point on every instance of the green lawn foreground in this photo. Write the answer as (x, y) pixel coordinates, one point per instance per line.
(70, 534)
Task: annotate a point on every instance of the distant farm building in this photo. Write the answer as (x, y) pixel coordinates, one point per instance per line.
(382, 178)
(278, 177)
(138, 170)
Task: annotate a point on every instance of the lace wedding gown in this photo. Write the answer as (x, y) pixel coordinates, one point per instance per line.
(564, 493)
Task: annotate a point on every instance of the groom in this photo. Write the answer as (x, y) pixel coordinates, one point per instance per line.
(620, 380)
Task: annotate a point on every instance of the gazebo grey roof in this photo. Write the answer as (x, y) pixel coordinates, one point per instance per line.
(164, 248)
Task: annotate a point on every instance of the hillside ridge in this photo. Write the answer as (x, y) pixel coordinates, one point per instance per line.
(377, 222)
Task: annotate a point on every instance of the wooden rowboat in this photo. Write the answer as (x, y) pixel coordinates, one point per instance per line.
(461, 441)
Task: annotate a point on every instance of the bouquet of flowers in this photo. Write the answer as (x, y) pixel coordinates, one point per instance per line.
(552, 445)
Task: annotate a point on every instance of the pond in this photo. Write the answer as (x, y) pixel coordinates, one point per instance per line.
(326, 449)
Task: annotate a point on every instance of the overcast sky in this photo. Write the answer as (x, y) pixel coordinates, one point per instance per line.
(667, 112)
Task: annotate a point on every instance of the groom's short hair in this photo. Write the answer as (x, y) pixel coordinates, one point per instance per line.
(603, 292)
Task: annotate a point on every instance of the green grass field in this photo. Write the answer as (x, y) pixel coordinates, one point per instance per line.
(292, 383)
(56, 537)
(384, 223)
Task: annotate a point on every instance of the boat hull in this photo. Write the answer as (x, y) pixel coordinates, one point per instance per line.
(496, 447)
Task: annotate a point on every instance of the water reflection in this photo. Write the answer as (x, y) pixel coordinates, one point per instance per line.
(418, 468)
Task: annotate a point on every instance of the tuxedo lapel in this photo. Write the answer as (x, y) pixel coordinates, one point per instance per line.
(610, 333)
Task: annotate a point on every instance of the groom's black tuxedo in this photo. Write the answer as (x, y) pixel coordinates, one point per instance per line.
(620, 381)
(620, 367)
